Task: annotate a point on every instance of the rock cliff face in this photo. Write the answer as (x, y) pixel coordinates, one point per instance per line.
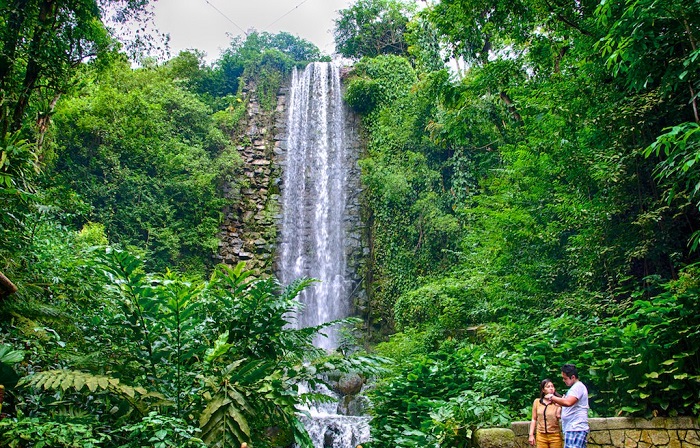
(251, 227)
(357, 250)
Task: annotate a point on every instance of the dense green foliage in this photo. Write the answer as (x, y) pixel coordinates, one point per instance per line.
(143, 152)
(147, 158)
(536, 208)
(96, 347)
(199, 362)
(259, 56)
(372, 27)
(533, 204)
(41, 44)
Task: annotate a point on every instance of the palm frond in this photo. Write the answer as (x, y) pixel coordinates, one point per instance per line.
(35, 310)
(363, 364)
(234, 278)
(295, 288)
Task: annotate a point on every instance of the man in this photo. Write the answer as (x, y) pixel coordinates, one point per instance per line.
(574, 413)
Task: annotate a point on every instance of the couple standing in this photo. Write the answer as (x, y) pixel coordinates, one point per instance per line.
(572, 409)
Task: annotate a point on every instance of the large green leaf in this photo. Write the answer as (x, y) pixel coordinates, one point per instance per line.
(10, 356)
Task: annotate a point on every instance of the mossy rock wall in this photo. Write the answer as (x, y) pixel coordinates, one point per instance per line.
(249, 229)
(627, 432)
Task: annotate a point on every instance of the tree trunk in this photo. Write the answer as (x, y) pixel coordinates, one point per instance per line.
(6, 286)
(47, 15)
(42, 124)
(560, 56)
(511, 106)
(693, 97)
(15, 23)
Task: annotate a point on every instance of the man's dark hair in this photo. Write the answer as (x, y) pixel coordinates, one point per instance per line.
(569, 370)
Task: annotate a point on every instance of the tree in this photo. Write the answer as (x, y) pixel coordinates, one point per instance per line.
(145, 154)
(537, 157)
(653, 48)
(19, 166)
(654, 45)
(424, 45)
(225, 75)
(478, 29)
(42, 42)
(373, 27)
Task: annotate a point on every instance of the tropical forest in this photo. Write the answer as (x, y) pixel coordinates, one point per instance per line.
(528, 198)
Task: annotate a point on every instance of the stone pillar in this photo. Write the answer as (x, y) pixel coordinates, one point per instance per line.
(249, 229)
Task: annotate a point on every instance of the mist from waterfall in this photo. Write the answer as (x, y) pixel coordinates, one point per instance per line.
(314, 196)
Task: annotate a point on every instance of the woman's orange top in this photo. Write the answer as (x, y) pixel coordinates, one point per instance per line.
(547, 415)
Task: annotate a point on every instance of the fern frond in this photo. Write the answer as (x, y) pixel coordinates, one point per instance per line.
(65, 380)
(37, 310)
(295, 288)
(364, 364)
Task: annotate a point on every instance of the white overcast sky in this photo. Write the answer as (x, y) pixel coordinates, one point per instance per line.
(207, 24)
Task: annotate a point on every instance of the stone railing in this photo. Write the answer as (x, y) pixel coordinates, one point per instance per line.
(618, 432)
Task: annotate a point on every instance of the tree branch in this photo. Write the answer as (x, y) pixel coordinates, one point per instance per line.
(511, 106)
(563, 19)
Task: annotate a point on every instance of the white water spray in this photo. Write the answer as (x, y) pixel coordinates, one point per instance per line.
(314, 197)
(314, 230)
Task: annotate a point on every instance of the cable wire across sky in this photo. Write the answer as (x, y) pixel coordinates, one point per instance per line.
(285, 14)
(210, 25)
(264, 29)
(226, 17)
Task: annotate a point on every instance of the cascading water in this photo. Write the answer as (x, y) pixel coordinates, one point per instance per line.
(314, 225)
(314, 197)
(328, 429)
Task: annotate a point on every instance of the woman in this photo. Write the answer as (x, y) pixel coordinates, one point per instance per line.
(545, 417)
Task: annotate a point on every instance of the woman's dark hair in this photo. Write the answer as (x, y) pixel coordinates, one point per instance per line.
(543, 383)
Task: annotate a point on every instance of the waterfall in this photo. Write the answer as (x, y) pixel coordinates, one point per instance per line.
(314, 197)
(319, 171)
(328, 429)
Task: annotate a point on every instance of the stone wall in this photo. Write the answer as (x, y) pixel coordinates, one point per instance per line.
(356, 248)
(627, 432)
(249, 229)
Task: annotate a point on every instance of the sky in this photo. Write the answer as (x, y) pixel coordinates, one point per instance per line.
(209, 25)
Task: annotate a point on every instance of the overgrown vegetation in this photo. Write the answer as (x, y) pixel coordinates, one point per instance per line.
(165, 360)
(130, 346)
(531, 205)
(531, 189)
